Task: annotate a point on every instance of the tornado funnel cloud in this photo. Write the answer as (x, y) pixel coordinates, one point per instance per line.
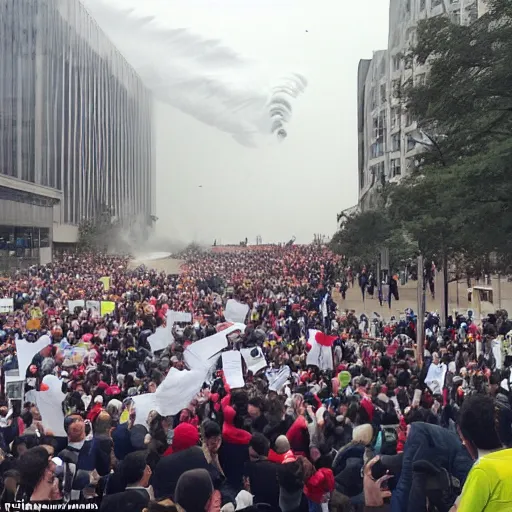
(200, 76)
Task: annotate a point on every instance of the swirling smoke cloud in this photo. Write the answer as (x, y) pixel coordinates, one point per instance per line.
(199, 76)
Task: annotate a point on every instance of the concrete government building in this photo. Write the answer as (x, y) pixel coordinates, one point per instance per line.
(76, 132)
(388, 138)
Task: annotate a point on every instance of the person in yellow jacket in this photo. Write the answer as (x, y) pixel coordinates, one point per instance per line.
(484, 428)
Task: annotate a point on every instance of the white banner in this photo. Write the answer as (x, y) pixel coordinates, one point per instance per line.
(6, 305)
(232, 367)
(255, 362)
(94, 306)
(278, 381)
(319, 355)
(26, 352)
(200, 353)
(497, 353)
(435, 377)
(235, 311)
(49, 403)
(174, 394)
(72, 304)
(163, 335)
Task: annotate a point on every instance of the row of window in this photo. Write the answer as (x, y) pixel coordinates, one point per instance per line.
(72, 116)
(378, 148)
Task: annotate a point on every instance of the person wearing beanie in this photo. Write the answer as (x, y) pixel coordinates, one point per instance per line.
(183, 455)
(96, 408)
(281, 450)
(195, 492)
(185, 436)
(260, 474)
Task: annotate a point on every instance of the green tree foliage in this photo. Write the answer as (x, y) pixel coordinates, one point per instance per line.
(457, 202)
(364, 234)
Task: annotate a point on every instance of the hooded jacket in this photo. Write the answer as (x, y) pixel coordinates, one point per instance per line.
(185, 436)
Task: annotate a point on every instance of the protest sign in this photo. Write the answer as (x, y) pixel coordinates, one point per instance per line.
(232, 368)
(235, 311)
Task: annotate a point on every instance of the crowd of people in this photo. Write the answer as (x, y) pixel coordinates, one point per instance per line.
(366, 427)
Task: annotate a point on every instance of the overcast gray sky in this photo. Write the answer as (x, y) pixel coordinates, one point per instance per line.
(209, 186)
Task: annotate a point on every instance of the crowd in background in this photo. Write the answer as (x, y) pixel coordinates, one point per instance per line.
(371, 431)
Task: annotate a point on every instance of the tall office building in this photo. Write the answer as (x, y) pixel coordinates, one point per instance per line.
(389, 141)
(76, 135)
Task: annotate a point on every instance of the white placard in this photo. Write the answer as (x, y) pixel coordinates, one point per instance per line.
(254, 363)
(173, 395)
(277, 382)
(232, 367)
(235, 311)
(72, 304)
(496, 352)
(319, 355)
(26, 352)
(435, 377)
(94, 306)
(7, 305)
(49, 403)
(200, 353)
(163, 335)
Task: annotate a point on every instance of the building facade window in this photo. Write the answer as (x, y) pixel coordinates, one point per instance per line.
(395, 167)
(395, 142)
(411, 143)
(73, 114)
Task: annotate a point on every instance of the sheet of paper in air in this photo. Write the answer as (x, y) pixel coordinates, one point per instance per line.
(173, 395)
(255, 362)
(26, 352)
(144, 404)
(94, 306)
(200, 353)
(435, 377)
(497, 353)
(7, 305)
(232, 367)
(278, 381)
(235, 311)
(163, 335)
(49, 403)
(72, 304)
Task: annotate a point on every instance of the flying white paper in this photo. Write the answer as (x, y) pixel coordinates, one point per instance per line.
(163, 335)
(277, 382)
(26, 352)
(254, 363)
(232, 367)
(49, 403)
(435, 377)
(200, 353)
(7, 305)
(174, 394)
(236, 311)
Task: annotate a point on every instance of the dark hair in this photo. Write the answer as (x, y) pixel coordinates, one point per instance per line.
(256, 401)
(260, 444)
(27, 418)
(133, 466)
(479, 422)
(32, 465)
(211, 429)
